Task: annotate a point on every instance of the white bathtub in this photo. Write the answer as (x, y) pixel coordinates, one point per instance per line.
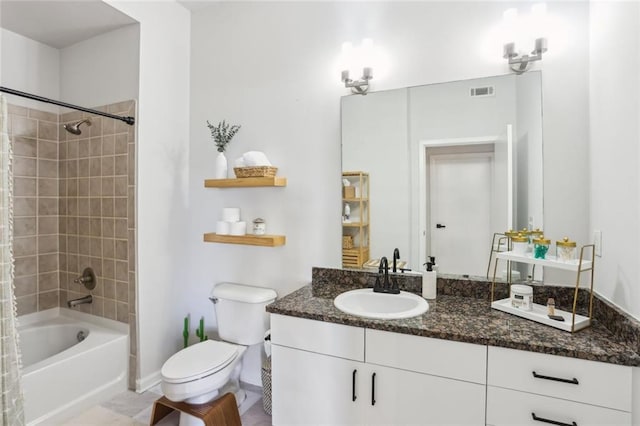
(62, 376)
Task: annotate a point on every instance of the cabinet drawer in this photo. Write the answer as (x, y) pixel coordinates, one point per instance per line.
(316, 336)
(597, 383)
(508, 407)
(456, 360)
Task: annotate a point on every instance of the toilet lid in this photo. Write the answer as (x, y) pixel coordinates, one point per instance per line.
(199, 360)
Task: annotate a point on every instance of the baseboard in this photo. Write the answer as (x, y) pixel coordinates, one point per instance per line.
(148, 382)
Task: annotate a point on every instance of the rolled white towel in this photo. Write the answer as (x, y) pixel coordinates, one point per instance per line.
(255, 158)
(239, 162)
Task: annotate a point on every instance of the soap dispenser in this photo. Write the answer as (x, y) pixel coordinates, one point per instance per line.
(429, 282)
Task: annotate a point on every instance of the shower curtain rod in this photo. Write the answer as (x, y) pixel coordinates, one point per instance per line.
(129, 120)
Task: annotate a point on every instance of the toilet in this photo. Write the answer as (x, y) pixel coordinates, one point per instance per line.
(204, 371)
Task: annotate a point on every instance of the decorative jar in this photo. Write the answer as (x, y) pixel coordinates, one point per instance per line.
(519, 243)
(565, 250)
(259, 226)
(541, 247)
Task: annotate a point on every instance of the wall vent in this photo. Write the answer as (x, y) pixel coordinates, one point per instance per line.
(476, 92)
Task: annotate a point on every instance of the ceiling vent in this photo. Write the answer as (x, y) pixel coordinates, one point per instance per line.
(477, 92)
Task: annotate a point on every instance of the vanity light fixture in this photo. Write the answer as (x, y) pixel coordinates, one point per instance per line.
(525, 26)
(519, 64)
(361, 55)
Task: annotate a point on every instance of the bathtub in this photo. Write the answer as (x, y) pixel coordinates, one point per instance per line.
(71, 361)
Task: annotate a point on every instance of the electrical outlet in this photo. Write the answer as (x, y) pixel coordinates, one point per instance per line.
(597, 240)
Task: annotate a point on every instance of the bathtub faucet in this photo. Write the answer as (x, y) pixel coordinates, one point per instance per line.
(79, 301)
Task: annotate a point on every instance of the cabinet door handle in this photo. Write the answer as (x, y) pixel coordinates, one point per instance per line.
(373, 389)
(553, 422)
(353, 385)
(573, 381)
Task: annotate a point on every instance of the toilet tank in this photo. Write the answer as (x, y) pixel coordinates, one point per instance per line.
(240, 312)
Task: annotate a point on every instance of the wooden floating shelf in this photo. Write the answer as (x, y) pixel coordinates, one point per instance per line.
(539, 314)
(550, 261)
(355, 200)
(249, 240)
(353, 224)
(245, 182)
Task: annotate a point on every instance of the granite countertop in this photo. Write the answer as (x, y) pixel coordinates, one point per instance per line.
(467, 319)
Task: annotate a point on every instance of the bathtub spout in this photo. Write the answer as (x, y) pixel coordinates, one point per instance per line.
(81, 300)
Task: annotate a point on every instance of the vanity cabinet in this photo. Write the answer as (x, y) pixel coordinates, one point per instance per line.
(325, 373)
(528, 388)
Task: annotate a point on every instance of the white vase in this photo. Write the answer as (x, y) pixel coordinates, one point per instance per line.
(221, 166)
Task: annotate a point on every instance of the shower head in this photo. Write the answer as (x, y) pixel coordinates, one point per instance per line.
(74, 128)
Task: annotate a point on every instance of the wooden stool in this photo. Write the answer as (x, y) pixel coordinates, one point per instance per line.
(219, 412)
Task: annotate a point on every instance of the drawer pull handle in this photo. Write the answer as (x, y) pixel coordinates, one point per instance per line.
(353, 385)
(373, 389)
(553, 422)
(573, 381)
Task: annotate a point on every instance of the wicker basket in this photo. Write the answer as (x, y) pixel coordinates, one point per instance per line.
(347, 242)
(260, 171)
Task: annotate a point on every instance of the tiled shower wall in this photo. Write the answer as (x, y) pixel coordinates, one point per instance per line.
(74, 199)
(35, 168)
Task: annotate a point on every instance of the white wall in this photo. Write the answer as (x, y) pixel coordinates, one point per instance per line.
(29, 66)
(163, 192)
(272, 68)
(614, 149)
(101, 70)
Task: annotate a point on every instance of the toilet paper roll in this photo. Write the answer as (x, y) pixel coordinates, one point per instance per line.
(223, 228)
(231, 214)
(238, 228)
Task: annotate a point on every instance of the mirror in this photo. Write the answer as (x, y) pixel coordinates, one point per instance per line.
(449, 164)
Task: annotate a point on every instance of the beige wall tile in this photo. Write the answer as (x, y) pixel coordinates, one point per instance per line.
(95, 186)
(48, 187)
(121, 228)
(122, 291)
(83, 187)
(48, 281)
(47, 206)
(108, 248)
(26, 285)
(24, 166)
(120, 207)
(95, 167)
(47, 244)
(84, 227)
(62, 169)
(120, 108)
(47, 150)
(62, 260)
(72, 264)
(97, 306)
(48, 225)
(72, 149)
(132, 292)
(72, 207)
(131, 160)
(107, 207)
(72, 224)
(84, 246)
(27, 304)
(122, 270)
(43, 115)
(122, 312)
(96, 128)
(24, 226)
(132, 250)
(108, 166)
(25, 246)
(47, 168)
(47, 300)
(108, 143)
(109, 286)
(95, 144)
(121, 144)
(83, 167)
(110, 309)
(47, 263)
(24, 187)
(62, 150)
(83, 147)
(27, 147)
(62, 298)
(83, 205)
(108, 270)
(24, 266)
(72, 247)
(47, 130)
(108, 228)
(17, 110)
(95, 206)
(120, 165)
(22, 126)
(121, 250)
(72, 168)
(96, 247)
(70, 116)
(24, 206)
(96, 227)
(96, 264)
(107, 186)
(120, 186)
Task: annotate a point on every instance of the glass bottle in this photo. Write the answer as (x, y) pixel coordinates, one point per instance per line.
(565, 250)
(541, 247)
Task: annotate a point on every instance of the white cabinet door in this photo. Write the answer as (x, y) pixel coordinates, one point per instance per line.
(399, 397)
(313, 389)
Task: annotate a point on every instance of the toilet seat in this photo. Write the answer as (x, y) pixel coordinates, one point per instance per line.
(198, 361)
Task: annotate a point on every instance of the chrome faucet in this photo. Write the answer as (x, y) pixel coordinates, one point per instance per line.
(80, 301)
(385, 286)
(396, 256)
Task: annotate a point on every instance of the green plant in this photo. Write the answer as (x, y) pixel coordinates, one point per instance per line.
(222, 134)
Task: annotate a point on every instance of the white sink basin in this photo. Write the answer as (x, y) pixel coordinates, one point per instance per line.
(365, 303)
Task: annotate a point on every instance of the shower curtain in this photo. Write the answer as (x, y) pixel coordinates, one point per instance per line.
(11, 401)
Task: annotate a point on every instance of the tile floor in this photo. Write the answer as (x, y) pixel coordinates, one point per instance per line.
(133, 409)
